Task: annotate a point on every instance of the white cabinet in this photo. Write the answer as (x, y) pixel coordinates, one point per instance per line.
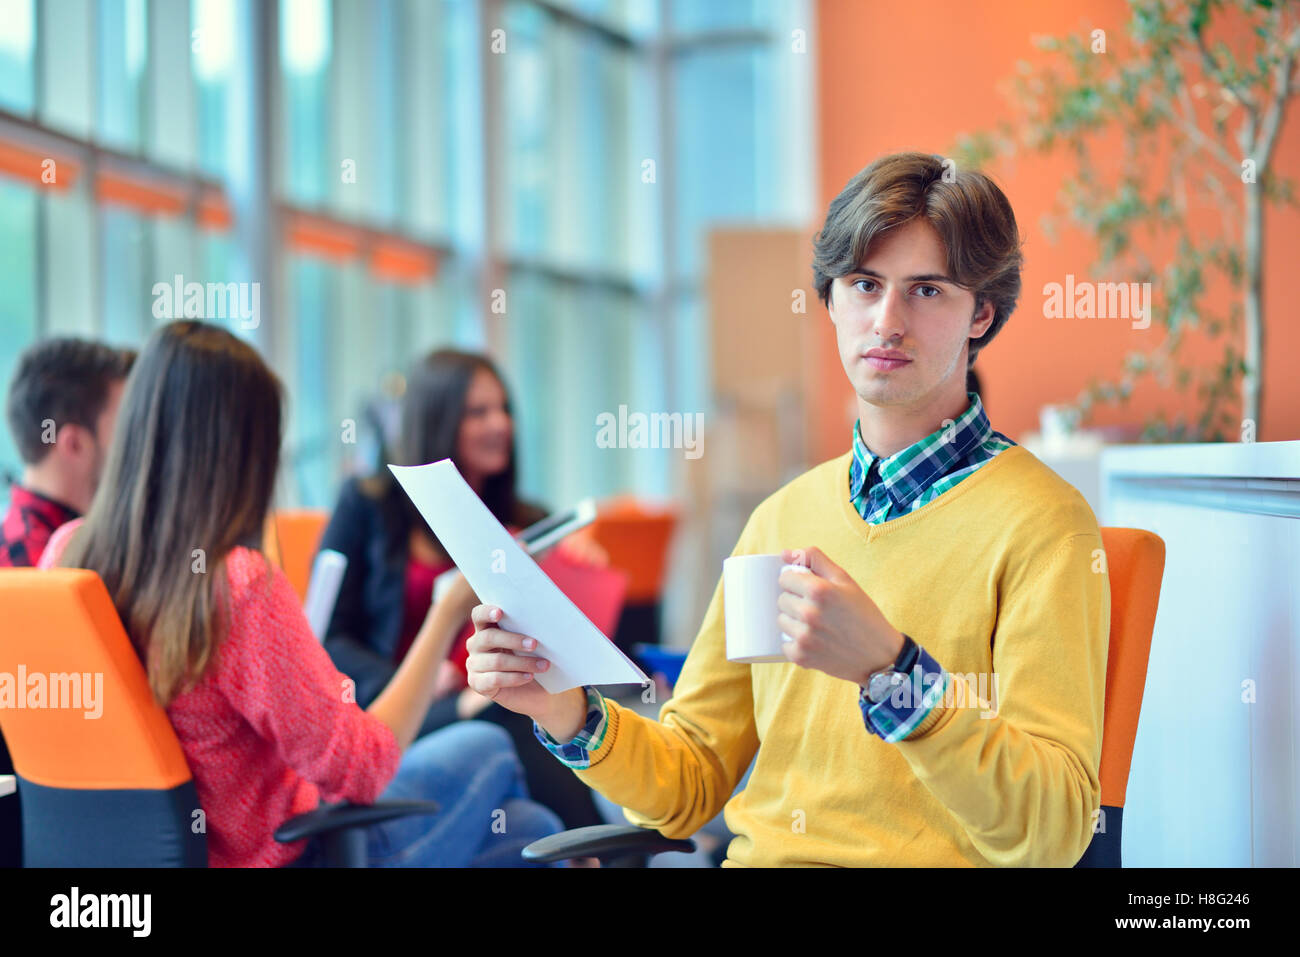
(1215, 779)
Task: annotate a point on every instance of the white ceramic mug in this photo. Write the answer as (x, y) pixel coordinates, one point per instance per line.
(750, 589)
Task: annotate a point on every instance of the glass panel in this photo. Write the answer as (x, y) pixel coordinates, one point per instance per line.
(70, 263)
(462, 133)
(362, 175)
(17, 44)
(67, 87)
(213, 42)
(127, 288)
(714, 100)
(171, 135)
(528, 118)
(123, 49)
(17, 299)
(424, 160)
(174, 248)
(643, 236)
(307, 467)
(688, 16)
(528, 365)
(361, 323)
(305, 52)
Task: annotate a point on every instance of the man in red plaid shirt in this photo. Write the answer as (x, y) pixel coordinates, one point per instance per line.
(61, 407)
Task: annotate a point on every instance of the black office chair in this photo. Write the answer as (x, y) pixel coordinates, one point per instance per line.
(614, 845)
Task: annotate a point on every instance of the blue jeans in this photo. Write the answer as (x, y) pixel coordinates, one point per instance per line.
(471, 769)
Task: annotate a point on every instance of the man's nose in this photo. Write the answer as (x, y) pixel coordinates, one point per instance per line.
(887, 319)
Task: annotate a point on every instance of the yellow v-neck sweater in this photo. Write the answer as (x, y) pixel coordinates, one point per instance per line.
(1002, 575)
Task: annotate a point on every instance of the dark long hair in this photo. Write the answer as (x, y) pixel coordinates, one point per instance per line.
(191, 467)
(432, 411)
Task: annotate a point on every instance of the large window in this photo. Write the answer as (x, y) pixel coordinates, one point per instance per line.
(529, 178)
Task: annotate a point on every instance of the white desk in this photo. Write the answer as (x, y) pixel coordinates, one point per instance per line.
(1215, 779)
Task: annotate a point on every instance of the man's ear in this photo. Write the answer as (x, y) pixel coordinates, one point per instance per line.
(982, 319)
(73, 440)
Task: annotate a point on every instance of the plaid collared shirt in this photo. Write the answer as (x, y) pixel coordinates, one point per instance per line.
(28, 525)
(880, 489)
(924, 470)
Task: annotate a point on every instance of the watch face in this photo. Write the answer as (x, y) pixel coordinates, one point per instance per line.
(880, 685)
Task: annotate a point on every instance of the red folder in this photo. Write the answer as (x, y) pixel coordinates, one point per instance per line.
(598, 593)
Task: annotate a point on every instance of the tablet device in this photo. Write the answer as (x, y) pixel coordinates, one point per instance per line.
(542, 535)
(323, 590)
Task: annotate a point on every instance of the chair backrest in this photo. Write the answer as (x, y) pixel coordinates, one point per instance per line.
(291, 539)
(1135, 562)
(637, 537)
(101, 775)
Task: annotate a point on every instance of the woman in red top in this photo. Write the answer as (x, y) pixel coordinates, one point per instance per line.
(268, 725)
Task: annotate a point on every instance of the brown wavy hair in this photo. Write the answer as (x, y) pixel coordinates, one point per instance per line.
(192, 466)
(971, 215)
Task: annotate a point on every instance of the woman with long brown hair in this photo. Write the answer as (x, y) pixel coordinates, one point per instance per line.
(456, 406)
(268, 725)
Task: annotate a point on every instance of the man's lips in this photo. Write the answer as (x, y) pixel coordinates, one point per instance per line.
(884, 362)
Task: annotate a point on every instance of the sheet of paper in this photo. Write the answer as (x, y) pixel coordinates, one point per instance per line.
(501, 573)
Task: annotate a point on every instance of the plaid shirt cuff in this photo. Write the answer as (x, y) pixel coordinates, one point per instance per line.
(577, 753)
(911, 702)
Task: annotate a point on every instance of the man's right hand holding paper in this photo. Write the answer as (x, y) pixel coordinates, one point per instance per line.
(499, 667)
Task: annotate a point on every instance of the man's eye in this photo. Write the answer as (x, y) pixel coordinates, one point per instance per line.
(934, 289)
(858, 282)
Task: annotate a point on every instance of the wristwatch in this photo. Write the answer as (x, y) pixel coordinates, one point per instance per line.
(881, 684)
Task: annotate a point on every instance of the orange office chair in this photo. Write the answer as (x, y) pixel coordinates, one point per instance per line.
(291, 539)
(1135, 561)
(636, 536)
(104, 783)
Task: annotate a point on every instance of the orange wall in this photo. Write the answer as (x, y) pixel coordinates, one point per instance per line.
(896, 76)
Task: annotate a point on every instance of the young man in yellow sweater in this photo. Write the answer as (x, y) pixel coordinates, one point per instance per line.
(942, 703)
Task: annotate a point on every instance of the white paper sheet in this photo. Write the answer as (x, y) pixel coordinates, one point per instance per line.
(501, 573)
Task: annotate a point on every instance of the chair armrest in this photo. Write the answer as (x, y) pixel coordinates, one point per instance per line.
(8, 784)
(605, 842)
(336, 817)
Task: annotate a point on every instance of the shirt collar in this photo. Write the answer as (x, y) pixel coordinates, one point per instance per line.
(910, 471)
(52, 512)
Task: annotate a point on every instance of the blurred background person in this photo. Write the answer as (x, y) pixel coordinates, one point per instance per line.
(61, 406)
(456, 407)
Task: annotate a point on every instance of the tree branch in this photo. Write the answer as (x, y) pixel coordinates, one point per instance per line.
(1277, 103)
(1186, 121)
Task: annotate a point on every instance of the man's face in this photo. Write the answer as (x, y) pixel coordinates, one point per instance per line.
(104, 427)
(900, 298)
